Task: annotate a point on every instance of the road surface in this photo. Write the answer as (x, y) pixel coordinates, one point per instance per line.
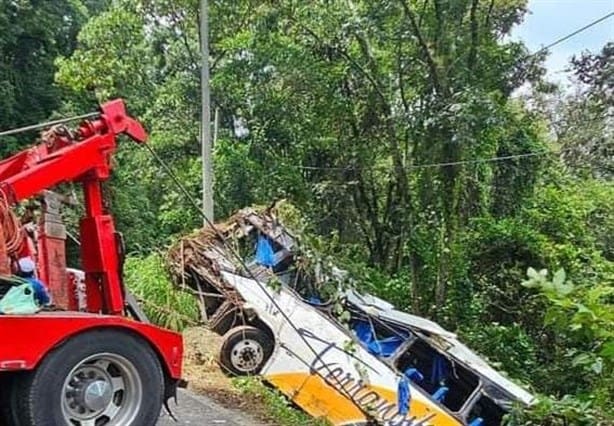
(201, 411)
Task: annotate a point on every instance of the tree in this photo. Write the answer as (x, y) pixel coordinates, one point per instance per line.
(34, 33)
(336, 107)
(393, 128)
(584, 126)
(368, 94)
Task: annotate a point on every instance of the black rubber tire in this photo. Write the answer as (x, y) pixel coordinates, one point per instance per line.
(40, 392)
(8, 401)
(6, 387)
(235, 336)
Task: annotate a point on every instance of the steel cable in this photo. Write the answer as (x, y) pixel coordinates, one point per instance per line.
(47, 124)
(341, 389)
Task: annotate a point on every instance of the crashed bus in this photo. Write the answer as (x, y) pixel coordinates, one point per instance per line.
(348, 357)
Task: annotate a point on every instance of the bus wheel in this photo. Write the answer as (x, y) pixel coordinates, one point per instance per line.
(245, 350)
(103, 377)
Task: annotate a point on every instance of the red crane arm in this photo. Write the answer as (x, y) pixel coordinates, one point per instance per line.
(86, 158)
(69, 159)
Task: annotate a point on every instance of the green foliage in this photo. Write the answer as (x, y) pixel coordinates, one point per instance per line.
(34, 33)
(345, 109)
(511, 347)
(584, 316)
(560, 226)
(237, 176)
(574, 212)
(277, 406)
(120, 66)
(584, 128)
(316, 86)
(131, 51)
(148, 280)
(568, 411)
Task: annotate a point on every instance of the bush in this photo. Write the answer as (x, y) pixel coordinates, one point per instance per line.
(583, 317)
(567, 224)
(165, 306)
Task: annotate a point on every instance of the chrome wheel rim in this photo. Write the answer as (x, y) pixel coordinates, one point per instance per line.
(247, 355)
(103, 389)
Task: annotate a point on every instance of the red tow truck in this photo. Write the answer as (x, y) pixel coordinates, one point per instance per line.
(102, 364)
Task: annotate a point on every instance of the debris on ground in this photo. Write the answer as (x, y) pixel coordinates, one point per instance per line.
(204, 377)
(203, 373)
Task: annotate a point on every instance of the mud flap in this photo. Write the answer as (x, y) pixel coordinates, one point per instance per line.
(170, 393)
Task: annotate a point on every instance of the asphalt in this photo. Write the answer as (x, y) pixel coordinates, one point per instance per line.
(199, 410)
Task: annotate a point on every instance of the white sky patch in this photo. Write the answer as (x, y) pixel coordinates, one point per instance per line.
(549, 20)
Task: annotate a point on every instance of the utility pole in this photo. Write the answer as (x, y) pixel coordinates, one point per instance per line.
(205, 130)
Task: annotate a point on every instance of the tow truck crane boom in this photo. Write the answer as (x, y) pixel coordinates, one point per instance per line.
(129, 363)
(84, 158)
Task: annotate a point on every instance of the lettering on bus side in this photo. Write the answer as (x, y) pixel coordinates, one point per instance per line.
(357, 390)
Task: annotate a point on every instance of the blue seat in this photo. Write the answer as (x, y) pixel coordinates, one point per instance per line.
(265, 255)
(440, 394)
(414, 375)
(439, 371)
(315, 300)
(478, 421)
(379, 347)
(385, 347)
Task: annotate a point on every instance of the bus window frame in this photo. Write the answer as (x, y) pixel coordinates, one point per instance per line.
(473, 397)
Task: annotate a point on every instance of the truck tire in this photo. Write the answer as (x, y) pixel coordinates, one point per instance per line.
(101, 377)
(8, 401)
(245, 350)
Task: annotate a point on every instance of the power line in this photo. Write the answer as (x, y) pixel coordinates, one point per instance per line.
(450, 163)
(443, 164)
(570, 35)
(251, 275)
(593, 119)
(484, 160)
(493, 159)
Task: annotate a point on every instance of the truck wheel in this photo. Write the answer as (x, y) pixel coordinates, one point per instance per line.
(102, 377)
(8, 403)
(245, 350)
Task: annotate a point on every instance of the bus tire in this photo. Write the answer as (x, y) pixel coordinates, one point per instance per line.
(245, 350)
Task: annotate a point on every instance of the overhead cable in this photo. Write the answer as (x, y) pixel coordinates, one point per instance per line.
(240, 260)
(445, 164)
(573, 34)
(48, 124)
(455, 163)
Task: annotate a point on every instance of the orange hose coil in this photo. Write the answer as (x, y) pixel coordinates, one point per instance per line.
(12, 233)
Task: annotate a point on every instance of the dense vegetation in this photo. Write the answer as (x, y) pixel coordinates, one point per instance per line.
(376, 119)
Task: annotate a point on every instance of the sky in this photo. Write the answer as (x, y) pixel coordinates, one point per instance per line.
(549, 20)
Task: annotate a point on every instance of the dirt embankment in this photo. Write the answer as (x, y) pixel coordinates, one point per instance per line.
(205, 377)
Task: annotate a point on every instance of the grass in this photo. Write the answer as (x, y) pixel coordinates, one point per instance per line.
(275, 406)
(165, 305)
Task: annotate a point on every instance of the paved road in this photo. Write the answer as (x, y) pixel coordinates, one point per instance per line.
(201, 411)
